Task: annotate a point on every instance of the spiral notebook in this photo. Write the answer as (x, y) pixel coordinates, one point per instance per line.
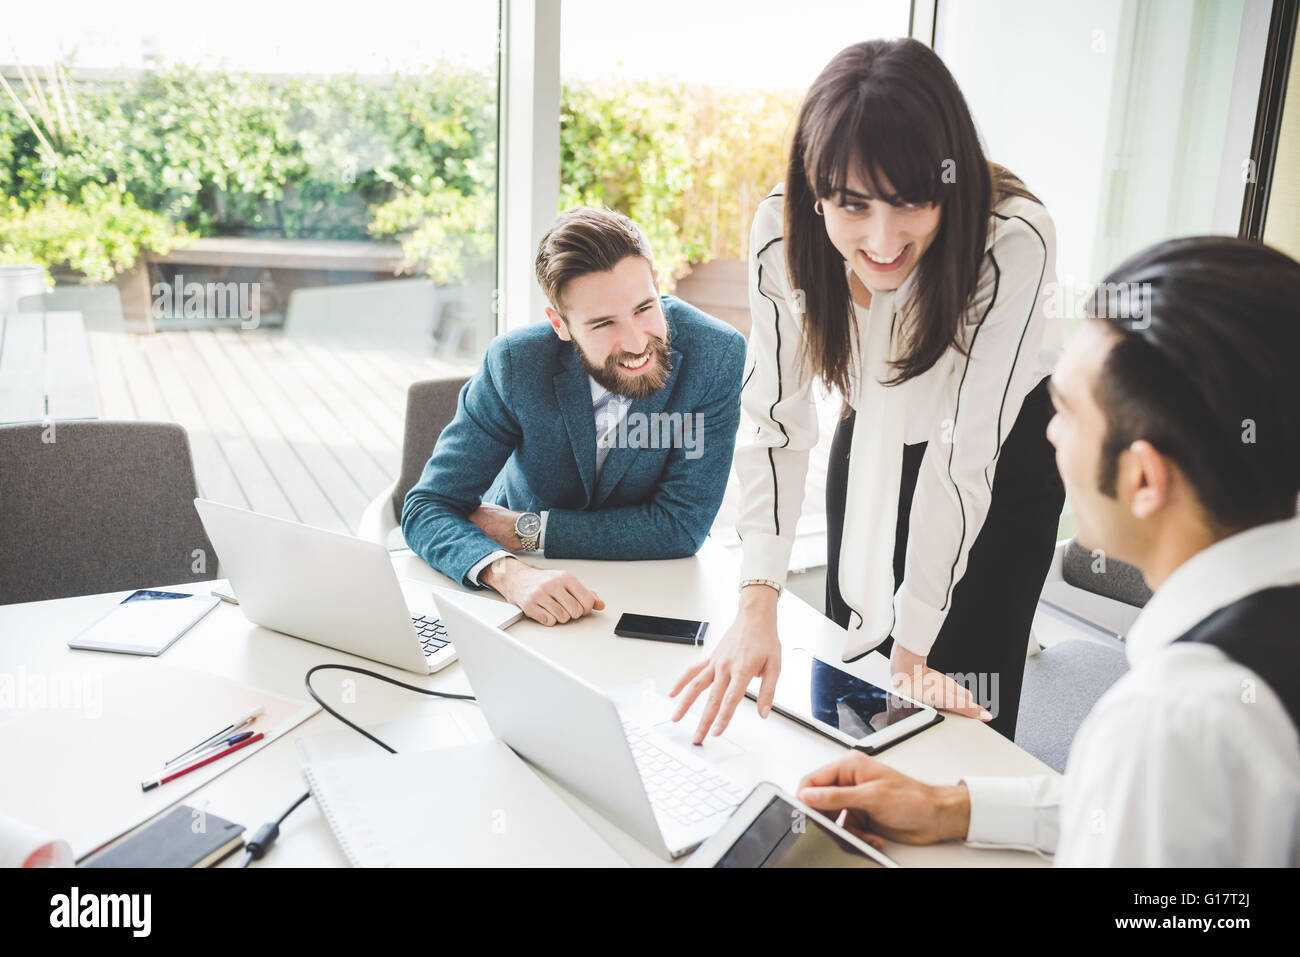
(476, 805)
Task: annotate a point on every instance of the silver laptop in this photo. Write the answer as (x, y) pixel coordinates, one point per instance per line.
(653, 788)
(335, 590)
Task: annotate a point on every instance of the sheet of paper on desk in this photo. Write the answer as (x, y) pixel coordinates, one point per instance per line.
(73, 763)
(477, 805)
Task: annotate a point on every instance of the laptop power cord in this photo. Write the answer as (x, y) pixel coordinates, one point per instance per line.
(256, 849)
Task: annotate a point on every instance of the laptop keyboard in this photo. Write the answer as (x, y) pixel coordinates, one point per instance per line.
(432, 634)
(684, 792)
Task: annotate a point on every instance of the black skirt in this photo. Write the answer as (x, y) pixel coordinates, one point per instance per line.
(984, 638)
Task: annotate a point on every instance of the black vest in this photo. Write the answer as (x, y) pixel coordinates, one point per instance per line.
(1261, 632)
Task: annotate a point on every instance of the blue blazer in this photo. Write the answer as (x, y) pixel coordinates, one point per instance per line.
(524, 437)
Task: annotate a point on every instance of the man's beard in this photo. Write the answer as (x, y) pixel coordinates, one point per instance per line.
(613, 378)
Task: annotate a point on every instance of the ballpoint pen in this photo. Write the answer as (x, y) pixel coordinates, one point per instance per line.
(150, 785)
(229, 729)
(214, 746)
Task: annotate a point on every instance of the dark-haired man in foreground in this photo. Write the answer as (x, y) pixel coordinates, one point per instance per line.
(1177, 434)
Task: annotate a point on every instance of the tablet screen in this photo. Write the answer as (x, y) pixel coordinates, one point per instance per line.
(811, 687)
(782, 835)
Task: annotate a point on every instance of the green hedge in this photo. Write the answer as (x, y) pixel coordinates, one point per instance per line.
(177, 153)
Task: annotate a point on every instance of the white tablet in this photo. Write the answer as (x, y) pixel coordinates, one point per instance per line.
(773, 829)
(844, 707)
(145, 622)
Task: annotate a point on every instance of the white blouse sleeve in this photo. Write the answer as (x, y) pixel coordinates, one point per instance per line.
(780, 428)
(980, 400)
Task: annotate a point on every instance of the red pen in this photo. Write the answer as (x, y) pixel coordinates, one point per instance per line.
(150, 785)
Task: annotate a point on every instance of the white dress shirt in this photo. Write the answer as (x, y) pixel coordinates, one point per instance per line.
(1190, 759)
(963, 406)
(610, 409)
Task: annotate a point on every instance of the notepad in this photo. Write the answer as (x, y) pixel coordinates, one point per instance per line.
(183, 837)
(477, 805)
(145, 623)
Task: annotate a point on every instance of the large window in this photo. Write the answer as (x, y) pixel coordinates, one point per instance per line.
(271, 219)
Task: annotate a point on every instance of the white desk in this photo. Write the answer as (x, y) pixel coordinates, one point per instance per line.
(258, 789)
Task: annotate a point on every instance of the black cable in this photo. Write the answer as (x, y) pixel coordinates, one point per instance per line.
(256, 849)
(373, 674)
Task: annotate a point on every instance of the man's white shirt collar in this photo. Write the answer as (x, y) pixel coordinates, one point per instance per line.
(1266, 556)
(597, 390)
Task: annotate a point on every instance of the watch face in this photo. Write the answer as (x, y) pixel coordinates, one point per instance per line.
(529, 524)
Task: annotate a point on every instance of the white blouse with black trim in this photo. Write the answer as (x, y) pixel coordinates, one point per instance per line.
(964, 407)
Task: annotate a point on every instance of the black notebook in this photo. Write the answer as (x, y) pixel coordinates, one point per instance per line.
(183, 837)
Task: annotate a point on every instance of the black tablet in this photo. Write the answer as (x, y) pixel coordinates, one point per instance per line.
(773, 829)
(844, 707)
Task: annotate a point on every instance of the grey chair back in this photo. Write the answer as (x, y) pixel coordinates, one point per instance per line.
(1061, 685)
(430, 407)
(104, 506)
(1104, 576)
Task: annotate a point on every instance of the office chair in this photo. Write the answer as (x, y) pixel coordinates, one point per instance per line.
(430, 407)
(90, 507)
(1101, 597)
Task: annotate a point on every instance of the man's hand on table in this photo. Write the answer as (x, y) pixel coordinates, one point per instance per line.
(545, 595)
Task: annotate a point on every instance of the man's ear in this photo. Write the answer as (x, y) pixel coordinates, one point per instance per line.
(1148, 476)
(558, 325)
(654, 274)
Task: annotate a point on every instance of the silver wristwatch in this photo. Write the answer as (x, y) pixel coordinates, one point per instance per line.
(761, 581)
(528, 527)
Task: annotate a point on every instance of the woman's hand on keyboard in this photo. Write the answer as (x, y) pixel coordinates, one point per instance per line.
(749, 648)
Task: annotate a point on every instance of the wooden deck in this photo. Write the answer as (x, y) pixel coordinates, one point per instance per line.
(300, 428)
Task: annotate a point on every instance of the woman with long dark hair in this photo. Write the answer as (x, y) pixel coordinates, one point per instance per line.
(903, 269)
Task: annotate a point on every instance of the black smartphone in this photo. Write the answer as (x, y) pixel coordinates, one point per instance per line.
(680, 630)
